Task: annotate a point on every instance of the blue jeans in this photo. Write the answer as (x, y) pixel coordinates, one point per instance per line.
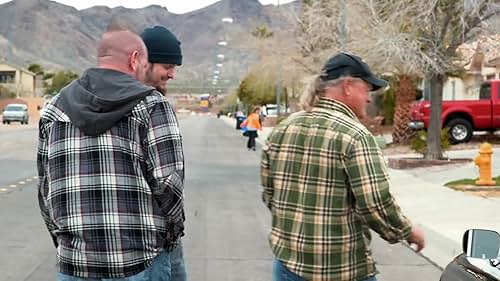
(177, 264)
(158, 271)
(281, 273)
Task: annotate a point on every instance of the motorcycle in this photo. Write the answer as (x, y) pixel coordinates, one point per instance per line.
(480, 259)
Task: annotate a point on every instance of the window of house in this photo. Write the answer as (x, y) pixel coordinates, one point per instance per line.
(7, 77)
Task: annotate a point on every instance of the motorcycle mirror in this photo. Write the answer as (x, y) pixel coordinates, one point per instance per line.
(481, 243)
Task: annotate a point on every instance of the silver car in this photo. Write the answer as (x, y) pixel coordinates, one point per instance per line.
(15, 112)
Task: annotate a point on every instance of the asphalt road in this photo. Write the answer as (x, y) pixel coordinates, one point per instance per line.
(227, 225)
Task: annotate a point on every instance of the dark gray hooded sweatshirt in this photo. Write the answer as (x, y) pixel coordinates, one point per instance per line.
(100, 98)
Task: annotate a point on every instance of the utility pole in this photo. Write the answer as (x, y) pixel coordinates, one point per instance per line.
(278, 80)
(342, 25)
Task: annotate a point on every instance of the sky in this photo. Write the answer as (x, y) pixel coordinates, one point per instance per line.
(174, 6)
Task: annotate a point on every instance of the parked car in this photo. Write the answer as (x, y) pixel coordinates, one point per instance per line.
(479, 260)
(463, 117)
(15, 112)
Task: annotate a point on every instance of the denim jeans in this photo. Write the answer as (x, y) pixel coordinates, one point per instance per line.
(281, 273)
(158, 271)
(177, 264)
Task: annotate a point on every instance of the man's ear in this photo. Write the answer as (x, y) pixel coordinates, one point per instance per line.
(134, 60)
(346, 85)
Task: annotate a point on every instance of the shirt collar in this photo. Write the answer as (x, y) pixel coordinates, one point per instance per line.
(334, 105)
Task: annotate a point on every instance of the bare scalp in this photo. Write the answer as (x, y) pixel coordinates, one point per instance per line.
(116, 46)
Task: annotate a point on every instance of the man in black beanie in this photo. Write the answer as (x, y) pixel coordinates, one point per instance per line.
(164, 50)
(164, 53)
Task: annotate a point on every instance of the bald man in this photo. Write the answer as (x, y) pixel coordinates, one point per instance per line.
(110, 191)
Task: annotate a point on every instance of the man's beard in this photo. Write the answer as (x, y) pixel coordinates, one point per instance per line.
(149, 81)
(162, 89)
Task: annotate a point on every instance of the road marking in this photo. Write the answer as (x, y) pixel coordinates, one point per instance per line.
(21, 182)
(12, 185)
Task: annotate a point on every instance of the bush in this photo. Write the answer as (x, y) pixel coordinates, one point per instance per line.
(419, 142)
(59, 81)
(6, 92)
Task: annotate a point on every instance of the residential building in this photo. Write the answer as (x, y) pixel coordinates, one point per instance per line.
(19, 81)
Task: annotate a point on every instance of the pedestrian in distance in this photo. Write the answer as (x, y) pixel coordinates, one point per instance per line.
(252, 124)
(111, 170)
(165, 55)
(326, 183)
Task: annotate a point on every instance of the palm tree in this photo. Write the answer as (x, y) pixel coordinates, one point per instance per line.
(404, 97)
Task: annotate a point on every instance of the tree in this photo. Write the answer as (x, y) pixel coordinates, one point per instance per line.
(321, 35)
(36, 68)
(267, 75)
(428, 33)
(408, 38)
(385, 42)
(59, 81)
(261, 33)
(457, 24)
(257, 89)
(316, 34)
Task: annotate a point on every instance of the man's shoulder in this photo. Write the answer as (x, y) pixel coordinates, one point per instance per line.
(151, 101)
(343, 123)
(352, 127)
(53, 111)
(154, 98)
(337, 123)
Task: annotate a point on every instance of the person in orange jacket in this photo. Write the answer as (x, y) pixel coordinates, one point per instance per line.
(252, 123)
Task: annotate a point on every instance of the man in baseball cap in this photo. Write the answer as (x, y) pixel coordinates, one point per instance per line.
(325, 182)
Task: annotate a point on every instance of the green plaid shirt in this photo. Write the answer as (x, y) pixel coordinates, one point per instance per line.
(326, 185)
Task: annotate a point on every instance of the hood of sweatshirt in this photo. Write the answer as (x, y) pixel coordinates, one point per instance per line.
(100, 98)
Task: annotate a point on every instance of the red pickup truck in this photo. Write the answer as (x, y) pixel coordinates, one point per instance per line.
(463, 117)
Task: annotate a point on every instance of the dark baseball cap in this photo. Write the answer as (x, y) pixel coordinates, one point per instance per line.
(344, 64)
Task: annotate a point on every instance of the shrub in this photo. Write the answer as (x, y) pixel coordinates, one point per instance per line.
(419, 142)
(6, 92)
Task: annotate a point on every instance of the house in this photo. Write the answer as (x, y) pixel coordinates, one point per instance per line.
(482, 62)
(19, 81)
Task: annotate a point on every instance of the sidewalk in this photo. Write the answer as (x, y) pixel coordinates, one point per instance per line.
(442, 213)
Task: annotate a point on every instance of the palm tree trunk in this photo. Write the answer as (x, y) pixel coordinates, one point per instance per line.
(404, 96)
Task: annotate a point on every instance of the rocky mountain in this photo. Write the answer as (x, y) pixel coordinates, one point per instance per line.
(60, 36)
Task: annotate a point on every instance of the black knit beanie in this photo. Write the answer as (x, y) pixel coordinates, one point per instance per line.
(163, 46)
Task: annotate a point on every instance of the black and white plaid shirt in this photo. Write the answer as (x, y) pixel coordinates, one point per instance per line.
(114, 201)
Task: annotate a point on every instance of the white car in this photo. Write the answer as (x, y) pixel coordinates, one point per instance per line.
(15, 112)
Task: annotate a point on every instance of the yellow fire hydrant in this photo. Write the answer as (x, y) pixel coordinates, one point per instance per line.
(483, 161)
